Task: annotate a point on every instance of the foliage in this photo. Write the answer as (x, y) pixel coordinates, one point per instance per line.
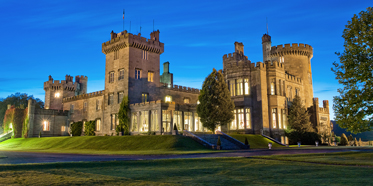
(216, 107)
(25, 124)
(124, 117)
(17, 100)
(175, 127)
(246, 142)
(89, 128)
(76, 128)
(306, 138)
(8, 118)
(344, 140)
(355, 142)
(218, 143)
(354, 106)
(298, 118)
(350, 138)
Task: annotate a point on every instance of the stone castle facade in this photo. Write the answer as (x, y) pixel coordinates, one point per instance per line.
(261, 91)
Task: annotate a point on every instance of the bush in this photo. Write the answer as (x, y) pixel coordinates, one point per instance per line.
(355, 142)
(76, 128)
(344, 140)
(307, 138)
(175, 127)
(90, 127)
(246, 142)
(350, 138)
(219, 142)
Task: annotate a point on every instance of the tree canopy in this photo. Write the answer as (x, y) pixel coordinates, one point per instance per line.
(298, 118)
(123, 116)
(215, 107)
(353, 108)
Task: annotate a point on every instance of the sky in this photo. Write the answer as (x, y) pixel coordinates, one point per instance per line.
(42, 38)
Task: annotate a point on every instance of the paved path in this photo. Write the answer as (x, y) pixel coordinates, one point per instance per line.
(31, 157)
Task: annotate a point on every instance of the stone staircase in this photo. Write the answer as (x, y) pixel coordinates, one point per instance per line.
(213, 139)
(6, 136)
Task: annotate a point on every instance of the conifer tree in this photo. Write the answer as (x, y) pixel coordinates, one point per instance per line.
(216, 107)
(123, 116)
(344, 140)
(298, 118)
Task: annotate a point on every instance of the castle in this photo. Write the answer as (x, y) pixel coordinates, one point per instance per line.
(261, 91)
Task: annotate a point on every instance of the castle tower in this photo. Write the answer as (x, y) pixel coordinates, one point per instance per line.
(297, 60)
(266, 46)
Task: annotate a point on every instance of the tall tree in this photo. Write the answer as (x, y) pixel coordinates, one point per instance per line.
(124, 117)
(354, 106)
(298, 118)
(216, 107)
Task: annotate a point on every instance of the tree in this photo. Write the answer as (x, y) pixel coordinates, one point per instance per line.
(298, 118)
(344, 140)
(89, 128)
(216, 107)
(124, 117)
(353, 108)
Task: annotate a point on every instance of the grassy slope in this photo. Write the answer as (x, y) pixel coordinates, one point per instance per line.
(105, 144)
(255, 141)
(219, 171)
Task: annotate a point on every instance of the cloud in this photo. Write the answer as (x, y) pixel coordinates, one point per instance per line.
(322, 91)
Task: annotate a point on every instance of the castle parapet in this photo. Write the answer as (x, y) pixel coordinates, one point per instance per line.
(274, 65)
(181, 88)
(83, 96)
(292, 78)
(293, 49)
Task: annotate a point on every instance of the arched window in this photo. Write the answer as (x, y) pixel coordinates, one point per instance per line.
(273, 87)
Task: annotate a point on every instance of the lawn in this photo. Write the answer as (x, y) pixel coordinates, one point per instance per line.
(213, 171)
(338, 158)
(166, 144)
(255, 141)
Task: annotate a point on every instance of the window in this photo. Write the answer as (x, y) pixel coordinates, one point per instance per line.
(274, 118)
(113, 118)
(150, 76)
(144, 97)
(166, 120)
(116, 54)
(137, 73)
(85, 105)
(273, 89)
(284, 118)
(63, 128)
(247, 86)
(98, 124)
(233, 88)
(187, 121)
(111, 77)
(120, 97)
(154, 120)
(178, 120)
(111, 99)
(134, 122)
(57, 95)
(197, 123)
(71, 108)
(145, 54)
(297, 92)
(241, 120)
(144, 121)
(98, 105)
(45, 125)
(121, 74)
(281, 59)
(186, 100)
(233, 123)
(239, 87)
(248, 118)
(279, 119)
(168, 99)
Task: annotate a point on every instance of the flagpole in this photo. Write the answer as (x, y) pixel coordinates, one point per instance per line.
(123, 19)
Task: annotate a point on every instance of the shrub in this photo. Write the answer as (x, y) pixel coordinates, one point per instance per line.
(246, 142)
(90, 127)
(307, 138)
(219, 142)
(350, 138)
(344, 140)
(76, 128)
(175, 127)
(355, 142)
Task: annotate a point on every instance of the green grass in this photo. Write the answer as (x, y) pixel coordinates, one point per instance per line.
(338, 158)
(214, 171)
(166, 144)
(255, 141)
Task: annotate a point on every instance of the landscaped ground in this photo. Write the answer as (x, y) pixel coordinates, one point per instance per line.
(166, 144)
(255, 141)
(213, 171)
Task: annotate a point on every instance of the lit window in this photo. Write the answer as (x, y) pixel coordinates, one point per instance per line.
(98, 105)
(145, 54)
(198, 102)
(279, 119)
(154, 122)
(57, 95)
(233, 123)
(248, 118)
(197, 123)
(46, 126)
(166, 120)
(188, 121)
(144, 97)
(168, 99)
(297, 92)
(144, 121)
(111, 99)
(98, 124)
(232, 88)
(120, 97)
(241, 121)
(239, 87)
(137, 73)
(274, 118)
(111, 77)
(83, 125)
(11, 126)
(150, 76)
(134, 122)
(121, 74)
(186, 100)
(273, 89)
(284, 118)
(63, 129)
(178, 120)
(247, 86)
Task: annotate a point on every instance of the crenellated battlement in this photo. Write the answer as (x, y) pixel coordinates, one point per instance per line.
(293, 78)
(275, 65)
(235, 56)
(68, 84)
(150, 103)
(181, 88)
(260, 65)
(84, 96)
(293, 49)
(53, 112)
(125, 39)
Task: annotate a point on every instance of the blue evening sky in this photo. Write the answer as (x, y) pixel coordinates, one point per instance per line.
(41, 38)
